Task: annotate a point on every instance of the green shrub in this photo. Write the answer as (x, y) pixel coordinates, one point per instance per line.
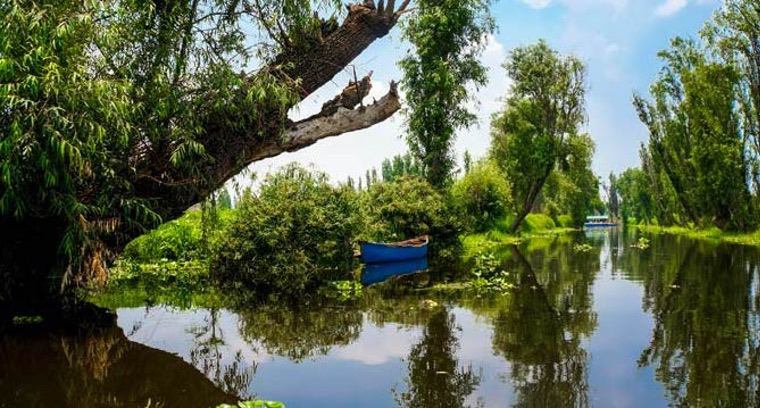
(565, 221)
(295, 234)
(482, 196)
(408, 207)
(537, 223)
(178, 240)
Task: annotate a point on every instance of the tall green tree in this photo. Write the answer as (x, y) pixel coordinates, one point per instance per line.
(635, 195)
(734, 35)
(545, 107)
(696, 138)
(400, 165)
(448, 37)
(613, 196)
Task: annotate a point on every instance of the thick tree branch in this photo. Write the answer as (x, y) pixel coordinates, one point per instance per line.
(318, 64)
(310, 66)
(331, 123)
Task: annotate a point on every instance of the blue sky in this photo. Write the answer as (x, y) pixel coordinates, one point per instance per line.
(617, 39)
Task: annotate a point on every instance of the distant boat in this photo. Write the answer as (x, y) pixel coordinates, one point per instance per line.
(378, 252)
(599, 221)
(380, 272)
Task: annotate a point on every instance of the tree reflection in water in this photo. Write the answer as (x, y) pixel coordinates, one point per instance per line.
(207, 356)
(300, 333)
(705, 299)
(435, 378)
(540, 329)
(98, 368)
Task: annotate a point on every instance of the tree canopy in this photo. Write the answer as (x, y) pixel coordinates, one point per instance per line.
(448, 37)
(545, 108)
(702, 120)
(115, 116)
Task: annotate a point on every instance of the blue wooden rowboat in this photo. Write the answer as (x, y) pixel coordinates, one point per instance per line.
(377, 252)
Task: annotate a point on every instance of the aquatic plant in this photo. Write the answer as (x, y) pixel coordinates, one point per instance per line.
(488, 274)
(641, 243)
(584, 247)
(254, 404)
(343, 290)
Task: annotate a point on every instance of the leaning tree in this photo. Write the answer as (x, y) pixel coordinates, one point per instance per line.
(118, 115)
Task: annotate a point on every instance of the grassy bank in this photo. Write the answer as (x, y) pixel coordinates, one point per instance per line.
(713, 234)
(534, 226)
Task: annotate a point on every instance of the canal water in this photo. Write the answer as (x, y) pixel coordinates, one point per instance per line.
(608, 325)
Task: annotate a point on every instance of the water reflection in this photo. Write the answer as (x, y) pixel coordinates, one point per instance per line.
(435, 377)
(97, 369)
(706, 338)
(379, 272)
(207, 354)
(541, 328)
(677, 323)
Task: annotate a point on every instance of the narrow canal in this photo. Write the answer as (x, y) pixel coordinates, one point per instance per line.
(611, 325)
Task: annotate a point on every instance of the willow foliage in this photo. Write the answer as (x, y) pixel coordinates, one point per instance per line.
(99, 99)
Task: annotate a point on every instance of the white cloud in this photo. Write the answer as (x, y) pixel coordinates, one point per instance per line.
(537, 4)
(670, 7)
(618, 5)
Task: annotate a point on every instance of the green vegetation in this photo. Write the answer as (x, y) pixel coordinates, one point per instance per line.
(296, 233)
(489, 275)
(254, 404)
(700, 165)
(447, 36)
(400, 165)
(184, 239)
(482, 196)
(712, 234)
(499, 238)
(409, 207)
(118, 116)
(538, 130)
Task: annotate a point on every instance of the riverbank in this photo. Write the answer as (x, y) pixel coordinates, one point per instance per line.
(535, 226)
(712, 234)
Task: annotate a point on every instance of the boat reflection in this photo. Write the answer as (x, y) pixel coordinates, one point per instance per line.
(380, 272)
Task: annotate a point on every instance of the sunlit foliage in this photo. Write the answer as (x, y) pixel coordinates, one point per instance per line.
(447, 36)
(545, 108)
(295, 233)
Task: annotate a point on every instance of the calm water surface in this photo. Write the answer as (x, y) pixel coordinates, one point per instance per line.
(675, 324)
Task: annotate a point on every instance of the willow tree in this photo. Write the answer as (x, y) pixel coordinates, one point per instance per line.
(733, 34)
(695, 136)
(546, 107)
(448, 37)
(115, 116)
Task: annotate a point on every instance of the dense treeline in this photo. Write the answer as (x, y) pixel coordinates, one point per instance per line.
(701, 164)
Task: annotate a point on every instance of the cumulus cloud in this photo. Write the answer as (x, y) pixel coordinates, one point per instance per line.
(578, 4)
(669, 7)
(537, 4)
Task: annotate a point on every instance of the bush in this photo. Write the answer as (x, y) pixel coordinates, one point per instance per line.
(482, 196)
(408, 207)
(178, 240)
(565, 221)
(295, 234)
(537, 223)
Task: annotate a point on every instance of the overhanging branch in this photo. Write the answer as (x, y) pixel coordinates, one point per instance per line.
(308, 131)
